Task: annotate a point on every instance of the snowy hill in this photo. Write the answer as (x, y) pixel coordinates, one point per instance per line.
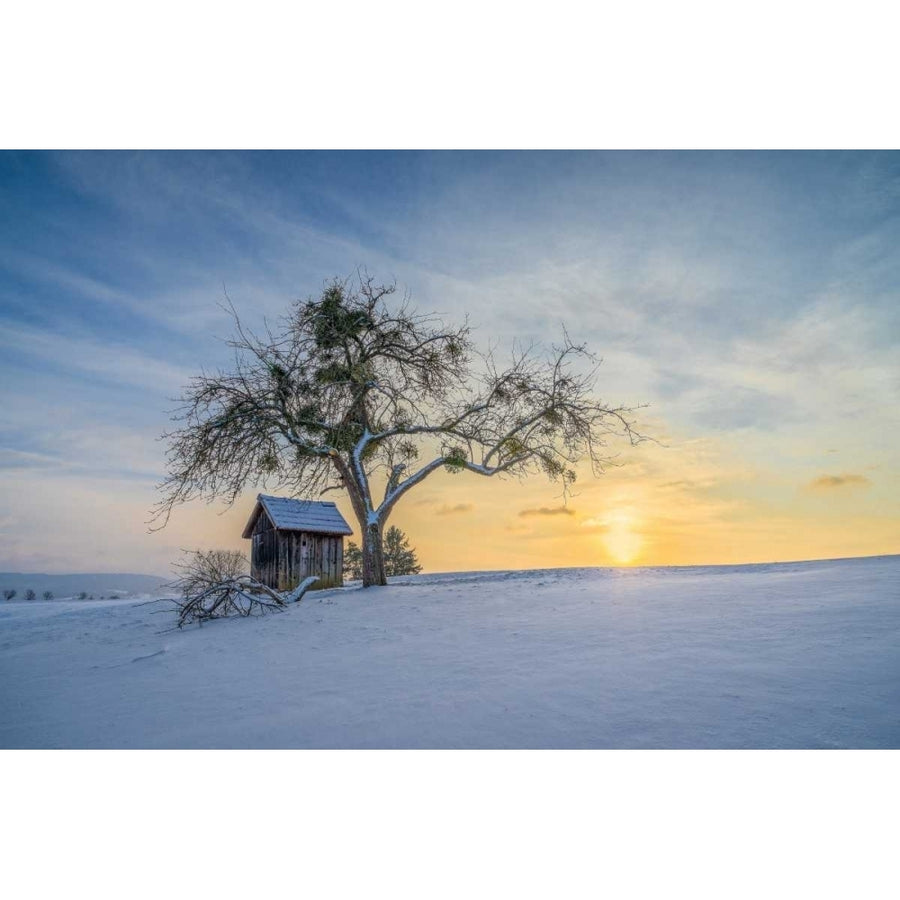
(790, 655)
(96, 583)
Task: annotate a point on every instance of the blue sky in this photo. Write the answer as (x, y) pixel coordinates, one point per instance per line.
(751, 299)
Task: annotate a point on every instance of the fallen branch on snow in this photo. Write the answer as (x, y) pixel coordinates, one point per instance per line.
(242, 596)
(213, 587)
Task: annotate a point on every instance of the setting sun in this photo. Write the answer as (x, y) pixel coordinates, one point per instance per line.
(622, 542)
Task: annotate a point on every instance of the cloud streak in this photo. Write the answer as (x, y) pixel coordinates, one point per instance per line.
(830, 482)
(456, 510)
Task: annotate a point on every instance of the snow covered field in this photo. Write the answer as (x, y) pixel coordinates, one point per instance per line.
(788, 655)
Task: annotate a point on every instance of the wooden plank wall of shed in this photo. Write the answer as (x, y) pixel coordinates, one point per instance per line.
(264, 552)
(302, 554)
(282, 559)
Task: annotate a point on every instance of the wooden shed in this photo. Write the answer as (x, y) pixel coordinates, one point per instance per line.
(293, 539)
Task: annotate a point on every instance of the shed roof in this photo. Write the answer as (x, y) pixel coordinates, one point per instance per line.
(288, 514)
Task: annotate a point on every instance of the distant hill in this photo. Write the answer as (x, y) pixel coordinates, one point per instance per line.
(97, 583)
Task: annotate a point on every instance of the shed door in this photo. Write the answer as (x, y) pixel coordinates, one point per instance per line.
(305, 548)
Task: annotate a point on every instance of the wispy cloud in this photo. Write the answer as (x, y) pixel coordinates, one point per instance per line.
(595, 522)
(110, 360)
(446, 510)
(829, 482)
(548, 511)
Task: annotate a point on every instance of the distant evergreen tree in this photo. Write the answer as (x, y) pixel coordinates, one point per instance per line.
(8, 594)
(399, 557)
(353, 560)
(82, 595)
(48, 595)
(30, 594)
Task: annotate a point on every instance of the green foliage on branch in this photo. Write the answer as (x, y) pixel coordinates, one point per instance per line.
(455, 460)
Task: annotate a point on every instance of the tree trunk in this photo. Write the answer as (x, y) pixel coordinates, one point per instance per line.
(372, 545)
(373, 556)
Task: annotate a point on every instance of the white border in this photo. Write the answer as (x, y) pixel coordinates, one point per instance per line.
(449, 824)
(471, 74)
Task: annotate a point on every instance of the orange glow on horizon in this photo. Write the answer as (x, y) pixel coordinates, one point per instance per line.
(685, 504)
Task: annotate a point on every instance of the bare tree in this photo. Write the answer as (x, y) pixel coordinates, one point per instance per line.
(30, 594)
(48, 595)
(201, 568)
(8, 594)
(356, 389)
(214, 584)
